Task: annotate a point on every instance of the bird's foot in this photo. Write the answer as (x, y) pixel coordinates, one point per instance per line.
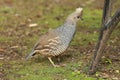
(63, 65)
(56, 65)
(52, 62)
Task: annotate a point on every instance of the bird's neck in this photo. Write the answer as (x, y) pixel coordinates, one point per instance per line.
(70, 22)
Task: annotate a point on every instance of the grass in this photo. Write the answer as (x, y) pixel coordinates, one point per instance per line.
(92, 18)
(17, 31)
(6, 39)
(36, 71)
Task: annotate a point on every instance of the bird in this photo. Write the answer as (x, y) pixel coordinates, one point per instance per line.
(56, 41)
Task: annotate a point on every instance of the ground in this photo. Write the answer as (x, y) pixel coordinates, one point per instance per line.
(23, 22)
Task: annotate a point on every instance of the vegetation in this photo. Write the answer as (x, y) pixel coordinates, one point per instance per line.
(17, 38)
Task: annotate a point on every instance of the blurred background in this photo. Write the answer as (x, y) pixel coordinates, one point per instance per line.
(22, 22)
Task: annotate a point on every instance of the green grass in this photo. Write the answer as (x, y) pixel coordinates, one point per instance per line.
(40, 68)
(92, 18)
(37, 71)
(6, 39)
(43, 70)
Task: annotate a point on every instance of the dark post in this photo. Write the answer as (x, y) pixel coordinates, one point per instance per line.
(107, 27)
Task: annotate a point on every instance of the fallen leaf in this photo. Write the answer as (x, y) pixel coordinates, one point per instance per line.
(33, 25)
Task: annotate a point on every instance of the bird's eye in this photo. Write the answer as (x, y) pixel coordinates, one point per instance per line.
(78, 17)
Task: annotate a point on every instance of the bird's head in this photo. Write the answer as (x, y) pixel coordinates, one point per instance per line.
(75, 16)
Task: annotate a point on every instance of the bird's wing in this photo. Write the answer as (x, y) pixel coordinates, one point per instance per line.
(47, 41)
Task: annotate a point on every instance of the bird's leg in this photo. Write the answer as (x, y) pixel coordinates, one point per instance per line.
(58, 59)
(52, 62)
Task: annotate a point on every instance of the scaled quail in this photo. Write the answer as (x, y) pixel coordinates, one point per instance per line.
(56, 41)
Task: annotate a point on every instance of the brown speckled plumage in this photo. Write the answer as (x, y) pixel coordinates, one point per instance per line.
(56, 41)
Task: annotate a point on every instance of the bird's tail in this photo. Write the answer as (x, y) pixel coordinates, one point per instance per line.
(30, 55)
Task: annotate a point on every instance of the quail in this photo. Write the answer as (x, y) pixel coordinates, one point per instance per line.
(56, 41)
